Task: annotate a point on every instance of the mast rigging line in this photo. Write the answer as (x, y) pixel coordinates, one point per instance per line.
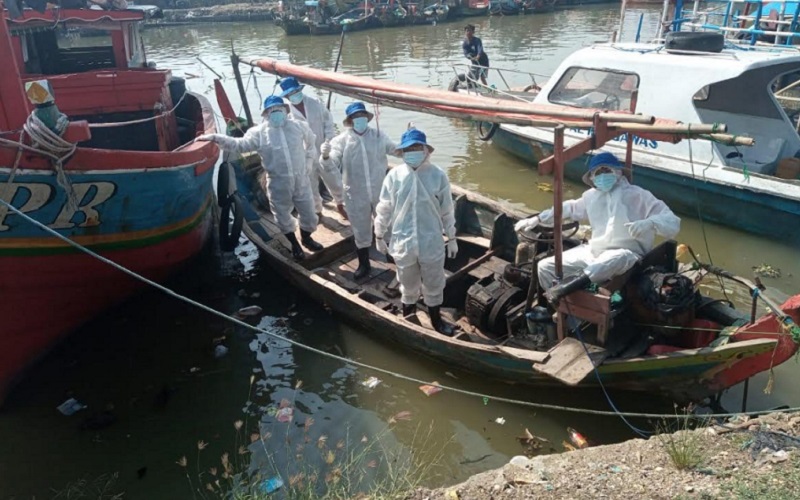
(346, 360)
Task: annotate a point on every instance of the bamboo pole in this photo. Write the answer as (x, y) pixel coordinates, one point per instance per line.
(558, 194)
(325, 79)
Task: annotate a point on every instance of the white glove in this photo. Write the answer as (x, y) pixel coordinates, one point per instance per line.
(325, 149)
(527, 224)
(207, 138)
(640, 227)
(381, 245)
(452, 248)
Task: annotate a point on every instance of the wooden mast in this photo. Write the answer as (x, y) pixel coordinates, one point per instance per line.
(13, 102)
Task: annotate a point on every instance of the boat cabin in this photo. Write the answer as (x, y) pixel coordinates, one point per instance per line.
(734, 86)
(95, 62)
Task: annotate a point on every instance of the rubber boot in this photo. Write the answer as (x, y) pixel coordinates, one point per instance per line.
(309, 242)
(438, 324)
(409, 309)
(363, 264)
(566, 287)
(297, 250)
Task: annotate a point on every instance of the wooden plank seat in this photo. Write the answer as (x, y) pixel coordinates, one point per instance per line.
(595, 307)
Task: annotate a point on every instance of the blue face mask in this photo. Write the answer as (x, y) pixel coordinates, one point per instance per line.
(604, 182)
(296, 98)
(277, 118)
(360, 124)
(414, 158)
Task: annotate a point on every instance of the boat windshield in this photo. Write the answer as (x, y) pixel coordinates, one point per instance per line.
(595, 88)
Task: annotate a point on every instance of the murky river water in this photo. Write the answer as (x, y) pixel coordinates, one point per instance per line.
(150, 363)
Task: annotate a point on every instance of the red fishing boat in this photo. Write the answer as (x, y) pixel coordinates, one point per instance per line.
(119, 174)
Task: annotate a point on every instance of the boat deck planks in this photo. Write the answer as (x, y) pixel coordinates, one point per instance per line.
(569, 363)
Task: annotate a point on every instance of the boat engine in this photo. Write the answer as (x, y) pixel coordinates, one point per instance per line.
(488, 301)
(663, 298)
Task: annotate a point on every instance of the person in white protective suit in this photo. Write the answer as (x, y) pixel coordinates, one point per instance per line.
(287, 150)
(310, 110)
(416, 205)
(624, 220)
(356, 163)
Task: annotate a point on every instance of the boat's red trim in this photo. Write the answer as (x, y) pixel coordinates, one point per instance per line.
(56, 15)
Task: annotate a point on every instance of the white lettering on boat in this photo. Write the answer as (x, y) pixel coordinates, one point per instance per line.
(637, 141)
(38, 195)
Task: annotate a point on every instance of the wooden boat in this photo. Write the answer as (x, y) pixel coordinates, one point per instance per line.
(537, 6)
(324, 28)
(141, 190)
(292, 24)
(503, 8)
(486, 248)
(358, 19)
(691, 348)
(320, 20)
(391, 14)
(469, 8)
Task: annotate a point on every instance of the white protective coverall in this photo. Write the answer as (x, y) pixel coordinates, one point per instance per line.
(321, 122)
(356, 167)
(418, 207)
(287, 152)
(612, 250)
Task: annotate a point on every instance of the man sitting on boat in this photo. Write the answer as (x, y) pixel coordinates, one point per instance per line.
(310, 110)
(417, 207)
(356, 162)
(473, 50)
(287, 150)
(624, 221)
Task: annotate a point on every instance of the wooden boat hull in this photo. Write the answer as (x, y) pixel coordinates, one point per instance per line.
(325, 28)
(689, 374)
(293, 27)
(148, 211)
(757, 210)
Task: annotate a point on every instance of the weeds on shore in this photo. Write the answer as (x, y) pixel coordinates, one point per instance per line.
(776, 484)
(305, 465)
(683, 446)
(101, 488)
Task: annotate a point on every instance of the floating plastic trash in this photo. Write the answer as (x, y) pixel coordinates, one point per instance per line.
(500, 420)
(271, 485)
(431, 389)
(371, 382)
(577, 438)
(285, 414)
(248, 311)
(220, 351)
(70, 407)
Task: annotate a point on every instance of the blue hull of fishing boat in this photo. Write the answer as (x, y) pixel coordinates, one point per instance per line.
(758, 213)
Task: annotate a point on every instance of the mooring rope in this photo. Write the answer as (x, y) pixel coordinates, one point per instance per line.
(346, 360)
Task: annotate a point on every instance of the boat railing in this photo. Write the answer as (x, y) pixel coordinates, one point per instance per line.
(754, 23)
(470, 74)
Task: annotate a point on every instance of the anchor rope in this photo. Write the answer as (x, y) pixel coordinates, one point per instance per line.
(346, 360)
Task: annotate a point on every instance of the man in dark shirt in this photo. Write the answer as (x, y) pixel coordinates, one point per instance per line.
(473, 50)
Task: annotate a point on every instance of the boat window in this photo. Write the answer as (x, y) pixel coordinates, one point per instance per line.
(69, 50)
(595, 88)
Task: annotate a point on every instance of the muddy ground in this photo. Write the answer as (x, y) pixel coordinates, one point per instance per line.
(743, 458)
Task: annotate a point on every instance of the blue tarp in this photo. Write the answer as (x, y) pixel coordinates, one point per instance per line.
(311, 3)
(776, 6)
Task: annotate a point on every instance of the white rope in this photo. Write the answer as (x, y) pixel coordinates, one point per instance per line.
(60, 149)
(486, 397)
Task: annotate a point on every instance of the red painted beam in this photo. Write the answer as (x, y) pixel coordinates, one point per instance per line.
(13, 102)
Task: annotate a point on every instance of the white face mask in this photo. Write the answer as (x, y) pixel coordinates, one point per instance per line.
(360, 124)
(296, 98)
(277, 117)
(604, 182)
(414, 158)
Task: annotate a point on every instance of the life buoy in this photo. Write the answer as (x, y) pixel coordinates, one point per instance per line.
(224, 177)
(229, 233)
(488, 134)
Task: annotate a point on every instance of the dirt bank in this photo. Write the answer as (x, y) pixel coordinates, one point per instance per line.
(744, 458)
(222, 13)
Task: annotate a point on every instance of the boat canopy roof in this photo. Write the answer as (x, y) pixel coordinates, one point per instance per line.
(729, 63)
(34, 19)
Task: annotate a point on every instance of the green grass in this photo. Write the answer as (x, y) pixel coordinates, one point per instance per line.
(777, 483)
(683, 446)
